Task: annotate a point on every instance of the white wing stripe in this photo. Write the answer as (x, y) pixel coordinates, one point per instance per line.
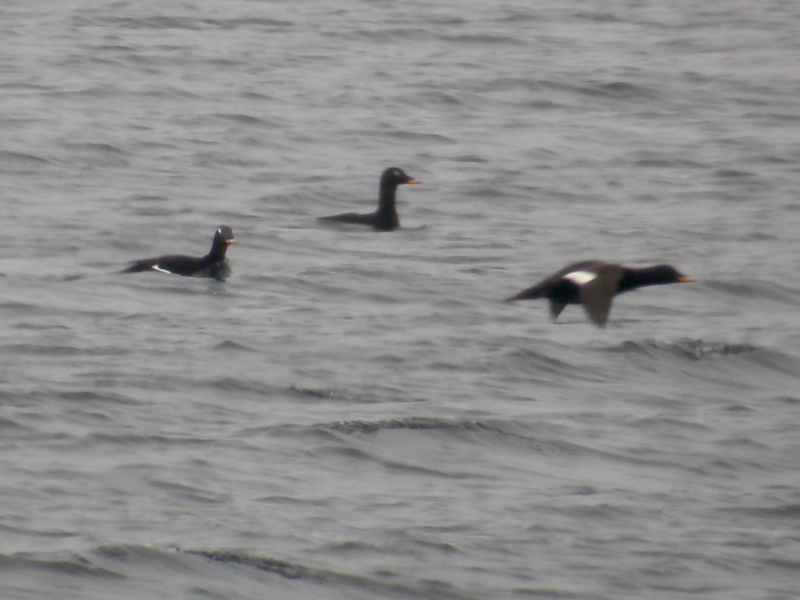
(580, 277)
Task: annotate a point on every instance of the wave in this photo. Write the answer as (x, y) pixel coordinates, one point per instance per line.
(282, 568)
(482, 38)
(757, 290)
(22, 308)
(7, 156)
(539, 438)
(617, 89)
(686, 348)
(185, 23)
(546, 367)
(7, 425)
(737, 360)
(411, 423)
(425, 445)
(701, 350)
(372, 394)
(64, 350)
(258, 388)
(202, 570)
(781, 511)
(75, 566)
(230, 345)
(422, 589)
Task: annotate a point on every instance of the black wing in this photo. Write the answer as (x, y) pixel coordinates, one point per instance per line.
(597, 295)
(177, 264)
(554, 283)
(145, 264)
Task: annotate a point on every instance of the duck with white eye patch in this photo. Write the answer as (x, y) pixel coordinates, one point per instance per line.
(385, 218)
(213, 265)
(594, 284)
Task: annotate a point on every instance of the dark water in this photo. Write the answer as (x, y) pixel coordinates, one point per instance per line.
(356, 414)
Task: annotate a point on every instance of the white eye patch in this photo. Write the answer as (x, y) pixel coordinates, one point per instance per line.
(580, 277)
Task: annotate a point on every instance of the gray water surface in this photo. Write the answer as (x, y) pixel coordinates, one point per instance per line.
(356, 414)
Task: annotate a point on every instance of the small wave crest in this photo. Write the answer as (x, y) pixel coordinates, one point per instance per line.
(686, 348)
(412, 423)
(744, 358)
(74, 565)
(499, 433)
(282, 568)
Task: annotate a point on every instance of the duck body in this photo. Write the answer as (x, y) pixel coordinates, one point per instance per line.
(594, 284)
(385, 218)
(214, 264)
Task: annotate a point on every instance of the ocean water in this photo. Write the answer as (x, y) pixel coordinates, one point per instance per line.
(356, 414)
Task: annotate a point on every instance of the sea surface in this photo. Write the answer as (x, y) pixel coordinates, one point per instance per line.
(356, 414)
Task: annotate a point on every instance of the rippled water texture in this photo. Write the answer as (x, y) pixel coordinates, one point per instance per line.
(356, 414)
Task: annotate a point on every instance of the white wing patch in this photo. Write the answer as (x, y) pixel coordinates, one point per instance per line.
(580, 277)
(160, 270)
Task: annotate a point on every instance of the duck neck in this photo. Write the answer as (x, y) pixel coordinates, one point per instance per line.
(636, 278)
(217, 252)
(387, 212)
